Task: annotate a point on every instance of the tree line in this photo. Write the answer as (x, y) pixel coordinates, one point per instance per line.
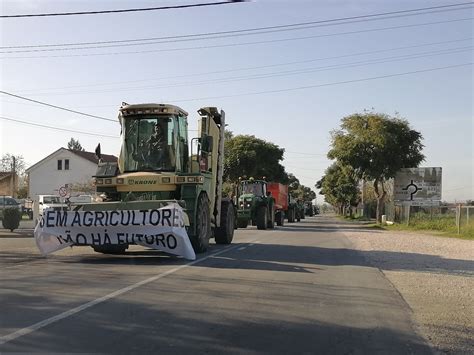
(247, 156)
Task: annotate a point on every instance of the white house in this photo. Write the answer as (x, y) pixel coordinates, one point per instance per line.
(62, 169)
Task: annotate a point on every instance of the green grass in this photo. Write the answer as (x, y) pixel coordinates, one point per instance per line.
(440, 225)
(466, 232)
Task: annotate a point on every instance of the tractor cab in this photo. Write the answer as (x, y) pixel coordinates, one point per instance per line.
(253, 187)
(154, 139)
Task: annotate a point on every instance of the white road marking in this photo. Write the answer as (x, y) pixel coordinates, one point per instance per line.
(242, 248)
(28, 330)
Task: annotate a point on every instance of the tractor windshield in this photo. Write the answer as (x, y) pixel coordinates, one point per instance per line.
(256, 188)
(149, 143)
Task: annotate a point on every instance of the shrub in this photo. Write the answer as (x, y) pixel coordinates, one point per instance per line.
(11, 218)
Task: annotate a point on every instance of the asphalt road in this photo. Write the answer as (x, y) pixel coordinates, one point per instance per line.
(297, 289)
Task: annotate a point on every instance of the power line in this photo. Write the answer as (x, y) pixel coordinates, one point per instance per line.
(122, 10)
(166, 40)
(256, 67)
(325, 84)
(55, 128)
(57, 107)
(279, 90)
(241, 43)
(277, 74)
(258, 30)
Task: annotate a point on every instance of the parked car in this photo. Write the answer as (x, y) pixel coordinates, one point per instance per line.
(8, 202)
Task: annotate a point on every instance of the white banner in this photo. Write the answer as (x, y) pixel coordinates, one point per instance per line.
(161, 229)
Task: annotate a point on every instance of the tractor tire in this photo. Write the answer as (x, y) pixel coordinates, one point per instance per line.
(291, 216)
(278, 218)
(242, 223)
(200, 241)
(271, 220)
(113, 249)
(262, 217)
(225, 233)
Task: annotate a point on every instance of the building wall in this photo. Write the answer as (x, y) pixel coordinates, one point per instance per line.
(46, 179)
(6, 187)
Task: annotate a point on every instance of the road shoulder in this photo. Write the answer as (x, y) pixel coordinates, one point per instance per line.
(433, 275)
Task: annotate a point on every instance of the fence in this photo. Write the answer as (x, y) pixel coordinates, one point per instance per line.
(456, 219)
(465, 219)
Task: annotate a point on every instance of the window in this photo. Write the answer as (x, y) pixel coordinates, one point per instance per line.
(60, 164)
(66, 164)
(150, 143)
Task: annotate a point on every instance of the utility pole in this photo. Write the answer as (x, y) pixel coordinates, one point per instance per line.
(13, 173)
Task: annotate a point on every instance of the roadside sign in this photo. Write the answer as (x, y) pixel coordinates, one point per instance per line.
(63, 191)
(418, 184)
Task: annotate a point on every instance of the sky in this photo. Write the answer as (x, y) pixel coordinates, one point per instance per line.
(289, 87)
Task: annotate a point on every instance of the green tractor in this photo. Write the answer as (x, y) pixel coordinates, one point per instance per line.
(300, 210)
(155, 168)
(255, 205)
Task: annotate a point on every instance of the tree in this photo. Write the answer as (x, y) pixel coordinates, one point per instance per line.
(22, 192)
(339, 186)
(228, 135)
(304, 193)
(74, 144)
(253, 157)
(376, 146)
(6, 163)
(293, 185)
(82, 188)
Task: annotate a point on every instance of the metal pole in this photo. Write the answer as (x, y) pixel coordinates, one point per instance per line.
(408, 214)
(458, 219)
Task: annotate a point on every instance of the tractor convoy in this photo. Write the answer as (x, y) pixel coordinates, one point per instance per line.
(160, 169)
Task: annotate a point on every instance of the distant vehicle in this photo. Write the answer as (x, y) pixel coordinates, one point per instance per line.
(26, 206)
(49, 201)
(8, 202)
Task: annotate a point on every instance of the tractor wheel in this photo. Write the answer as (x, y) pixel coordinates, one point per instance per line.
(262, 217)
(279, 217)
(242, 223)
(110, 249)
(271, 219)
(225, 233)
(291, 216)
(200, 241)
